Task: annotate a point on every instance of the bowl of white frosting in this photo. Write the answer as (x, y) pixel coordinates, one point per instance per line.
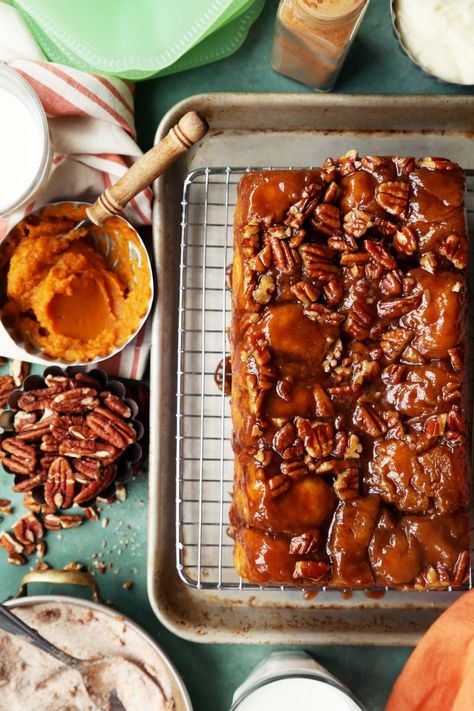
(25, 146)
(437, 35)
(136, 667)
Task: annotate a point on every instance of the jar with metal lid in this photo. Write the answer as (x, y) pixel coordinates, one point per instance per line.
(312, 38)
(25, 148)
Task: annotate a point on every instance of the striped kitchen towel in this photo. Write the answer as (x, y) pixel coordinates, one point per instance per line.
(91, 122)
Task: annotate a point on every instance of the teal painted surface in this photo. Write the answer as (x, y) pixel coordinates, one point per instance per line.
(211, 672)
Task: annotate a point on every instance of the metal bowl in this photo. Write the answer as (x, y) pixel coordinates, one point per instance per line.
(407, 53)
(180, 694)
(103, 243)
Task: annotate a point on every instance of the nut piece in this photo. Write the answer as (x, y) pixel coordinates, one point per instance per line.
(320, 314)
(7, 386)
(317, 261)
(262, 261)
(28, 529)
(294, 470)
(306, 543)
(9, 543)
(399, 307)
(314, 570)
(263, 293)
(404, 241)
(454, 248)
(434, 163)
(393, 197)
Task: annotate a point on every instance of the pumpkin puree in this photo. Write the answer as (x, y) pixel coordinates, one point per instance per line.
(63, 296)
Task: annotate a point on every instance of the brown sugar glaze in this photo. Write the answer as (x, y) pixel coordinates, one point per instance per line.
(347, 346)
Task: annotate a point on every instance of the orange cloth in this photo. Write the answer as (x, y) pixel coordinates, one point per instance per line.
(439, 675)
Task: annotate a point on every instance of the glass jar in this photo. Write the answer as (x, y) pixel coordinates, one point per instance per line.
(312, 38)
(283, 678)
(25, 147)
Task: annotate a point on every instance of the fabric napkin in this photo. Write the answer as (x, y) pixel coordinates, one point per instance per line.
(439, 675)
(92, 130)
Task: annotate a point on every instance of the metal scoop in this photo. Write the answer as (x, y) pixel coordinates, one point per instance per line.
(85, 667)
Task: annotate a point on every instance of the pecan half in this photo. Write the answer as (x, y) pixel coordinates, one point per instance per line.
(96, 487)
(333, 193)
(262, 261)
(346, 485)
(7, 386)
(284, 438)
(298, 212)
(111, 427)
(28, 529)
(76, 448)
(9, 543)
(333, 291)
(404, 241)
(60, 484)
(357, 222)
(314, 570)
(399, 307)
(35, 399)
(286, 259)
(284, 389)
(278, 485)
(394, 374)
(320, 314)
(28, 483)
(75, 401)
(435, 163)
(305, 291)
(294, 470)
(379, 254)
(305, 543)
(393, 197)
(316, 261)
(318, 438)
(454, 248)
(117, 405)
(391, 283)
(394, 342)
(456, 359)
(367, 420)
(326, 218)
(324, 405)
(404, 165)
(359, 319)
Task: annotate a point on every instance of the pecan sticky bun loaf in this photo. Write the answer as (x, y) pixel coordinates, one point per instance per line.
(347, 342)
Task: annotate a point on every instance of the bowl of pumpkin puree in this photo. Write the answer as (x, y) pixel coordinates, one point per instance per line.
(73, 297)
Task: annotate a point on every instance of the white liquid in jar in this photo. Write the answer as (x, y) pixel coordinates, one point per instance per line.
(439, 36)
(21, 148)
(310, 694)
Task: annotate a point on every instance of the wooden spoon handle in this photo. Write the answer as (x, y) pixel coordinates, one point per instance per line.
(190, 129)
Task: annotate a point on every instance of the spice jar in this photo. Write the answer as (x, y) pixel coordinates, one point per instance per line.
(312, 38)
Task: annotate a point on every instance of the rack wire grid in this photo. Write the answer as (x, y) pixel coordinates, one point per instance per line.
(204, 462)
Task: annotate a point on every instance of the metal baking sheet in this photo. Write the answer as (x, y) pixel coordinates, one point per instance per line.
(265, 130)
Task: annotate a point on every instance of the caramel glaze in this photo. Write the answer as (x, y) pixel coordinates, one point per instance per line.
(347, 343)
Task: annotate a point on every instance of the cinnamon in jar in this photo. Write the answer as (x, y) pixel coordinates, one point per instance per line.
(312, 38)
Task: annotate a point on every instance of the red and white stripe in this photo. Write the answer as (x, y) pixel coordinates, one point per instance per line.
(95, 104)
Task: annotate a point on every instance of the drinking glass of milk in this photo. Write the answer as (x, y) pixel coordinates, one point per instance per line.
(25, 149)
(285, 677)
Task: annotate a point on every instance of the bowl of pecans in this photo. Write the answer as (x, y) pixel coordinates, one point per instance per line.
(68, 437)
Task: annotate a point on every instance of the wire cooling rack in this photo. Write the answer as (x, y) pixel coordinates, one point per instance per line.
(204, 463)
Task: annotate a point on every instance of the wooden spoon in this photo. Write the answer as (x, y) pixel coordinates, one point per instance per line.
(190, 129)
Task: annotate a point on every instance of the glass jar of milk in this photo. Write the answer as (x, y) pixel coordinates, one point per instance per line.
(285, 678)
(25, 149)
